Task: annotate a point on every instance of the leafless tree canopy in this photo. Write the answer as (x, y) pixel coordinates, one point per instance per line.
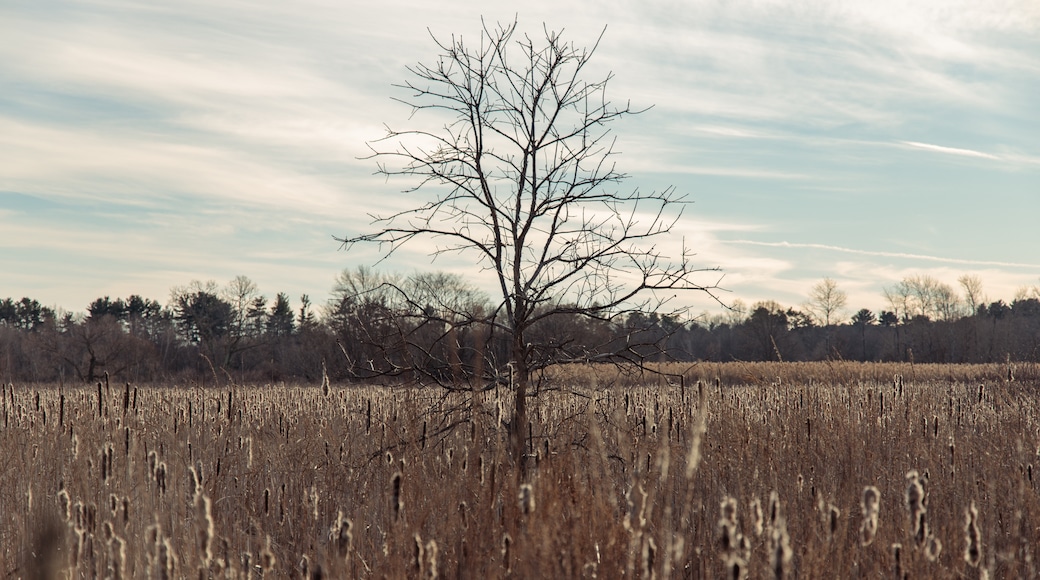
(522, 175)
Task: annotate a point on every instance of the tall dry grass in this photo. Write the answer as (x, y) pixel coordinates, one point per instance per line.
(766, 471)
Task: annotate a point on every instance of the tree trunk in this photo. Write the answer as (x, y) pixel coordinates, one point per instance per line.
(521, 377)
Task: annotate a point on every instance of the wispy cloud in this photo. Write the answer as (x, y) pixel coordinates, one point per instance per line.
(880, 254)
(949, 150)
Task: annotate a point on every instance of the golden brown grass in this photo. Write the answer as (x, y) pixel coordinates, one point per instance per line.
(287, 482)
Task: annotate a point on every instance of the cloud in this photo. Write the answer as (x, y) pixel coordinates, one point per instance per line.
(900, 255)
(949, 150)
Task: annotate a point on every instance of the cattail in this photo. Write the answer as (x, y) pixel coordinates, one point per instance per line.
(700, 426)
(117, 558)
(916, 503)
(729, 536)
(313, 500)
(431, 559)
(64, 504)
(932, 548)
(160, 477)
(779, 549)
(204, 528)
(972, 546)
(871, 505)
(757, 521)
(833, 515)
(734, 548)
(649, 556)
(526, 498)
(506, 561)
(736, 568)
(167, 561)
(420, 560)
(341, 535)
(267, 558)
(397, 504)
(774, 509)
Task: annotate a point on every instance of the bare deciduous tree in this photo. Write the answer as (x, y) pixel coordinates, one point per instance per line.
(972, 286)
(826, 302)
(923, 296)
(521, 176)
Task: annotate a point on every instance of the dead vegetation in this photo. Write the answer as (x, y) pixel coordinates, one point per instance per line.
(759, 471)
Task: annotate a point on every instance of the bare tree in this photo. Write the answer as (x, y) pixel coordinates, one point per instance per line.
(972, 286)
(521, 177)
(826, 302)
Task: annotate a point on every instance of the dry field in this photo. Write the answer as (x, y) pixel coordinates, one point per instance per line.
(827, 470)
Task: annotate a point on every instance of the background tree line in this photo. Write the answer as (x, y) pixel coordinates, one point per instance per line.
(427, 327)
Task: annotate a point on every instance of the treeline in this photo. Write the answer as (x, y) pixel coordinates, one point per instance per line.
(437, 327)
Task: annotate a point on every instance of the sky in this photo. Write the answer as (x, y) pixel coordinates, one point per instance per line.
(146, 145)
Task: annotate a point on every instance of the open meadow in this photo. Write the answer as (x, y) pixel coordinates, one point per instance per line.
(759, 470)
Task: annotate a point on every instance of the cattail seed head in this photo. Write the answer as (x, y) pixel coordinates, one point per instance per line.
(526, 498)
(972, 545)
(833, 515)
(779, 549)
(774, 509)
(341, 535)
(649, 556)
(117, 558)
(507, 542)
(64, 504)
(916, 501)
(932, 548)
(267, 558)
(431, 560)
(396, 502)
(870, 505)
(194, 482)
(420, 560)
(757, 521)
(729, 536)
(160, 477)
(204, 528)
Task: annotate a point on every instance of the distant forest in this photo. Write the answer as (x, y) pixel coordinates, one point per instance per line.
(428, 326)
